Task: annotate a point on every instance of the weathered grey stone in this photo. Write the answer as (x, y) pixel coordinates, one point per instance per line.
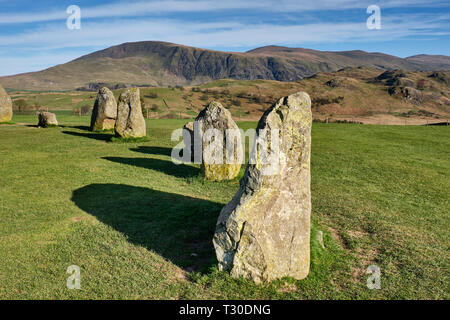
(263, 233)
(189, 126)
(104, 113)
(47, 119)
(6, 111)
(216, 117)
(130, 122)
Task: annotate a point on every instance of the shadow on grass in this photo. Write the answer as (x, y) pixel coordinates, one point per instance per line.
(177, 227)
(96, 136)
(165, 166)
(85, 128)
(153, 150)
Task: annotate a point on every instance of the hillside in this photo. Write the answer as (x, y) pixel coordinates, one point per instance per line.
(161, 64)
(359, 94)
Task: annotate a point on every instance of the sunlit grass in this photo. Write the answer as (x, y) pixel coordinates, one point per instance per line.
(140, 226)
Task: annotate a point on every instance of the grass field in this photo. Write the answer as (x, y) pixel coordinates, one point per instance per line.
(140, 227)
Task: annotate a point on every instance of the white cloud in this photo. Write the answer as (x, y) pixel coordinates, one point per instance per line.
(223, 34)
(148, 8)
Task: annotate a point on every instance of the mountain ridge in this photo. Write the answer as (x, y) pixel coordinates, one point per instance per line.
(158, 63)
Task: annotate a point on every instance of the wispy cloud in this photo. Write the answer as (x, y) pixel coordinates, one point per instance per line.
(224, 34)
(149, 8)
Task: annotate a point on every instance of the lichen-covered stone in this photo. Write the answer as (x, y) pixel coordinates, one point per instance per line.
(130, 122)
(104, 113)
(47, 119)
(6, 110)
(216, 167)
(263, 233)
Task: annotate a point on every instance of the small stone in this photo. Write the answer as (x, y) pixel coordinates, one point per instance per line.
(130, 121)
(47, 119)
(6, 110)
(263, 233)
(104, 113)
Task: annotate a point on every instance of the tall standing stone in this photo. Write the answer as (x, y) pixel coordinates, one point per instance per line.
(104, 113)
(130, 122)
(6, 111)
(263, 233)
(221, 143)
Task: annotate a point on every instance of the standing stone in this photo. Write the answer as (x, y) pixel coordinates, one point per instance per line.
(6, 111)
(47, 119)
(263, 233)
(130, 121)
(104, 113)
(226, 164)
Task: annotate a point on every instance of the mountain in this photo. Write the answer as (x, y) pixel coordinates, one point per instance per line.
(161, 64)
(434, 62)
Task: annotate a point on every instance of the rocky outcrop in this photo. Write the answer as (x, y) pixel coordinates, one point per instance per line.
(407, 93)
(403, 82)
(442, 76)
(263, 233)
(221, 143)
(47, 119)
(341, 82)
(130, 122)
(391, 75)
(104, 113)
(6, 110)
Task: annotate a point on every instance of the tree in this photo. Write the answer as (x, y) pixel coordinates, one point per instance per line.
(20, 104)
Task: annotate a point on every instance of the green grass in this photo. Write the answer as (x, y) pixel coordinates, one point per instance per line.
(141, 227)
(58, 100)
(129, 140)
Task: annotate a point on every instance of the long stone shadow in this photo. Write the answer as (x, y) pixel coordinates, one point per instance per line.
(85, 128)
(153, 150)
(165, 166)
(177, 227)
(96, 136)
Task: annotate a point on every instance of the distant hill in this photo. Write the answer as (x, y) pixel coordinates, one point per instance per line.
(434, 62)
(162, 64)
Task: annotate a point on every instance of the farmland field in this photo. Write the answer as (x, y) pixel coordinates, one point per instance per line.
(140, 227)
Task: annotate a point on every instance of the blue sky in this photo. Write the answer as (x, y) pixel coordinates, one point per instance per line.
(34, 36)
